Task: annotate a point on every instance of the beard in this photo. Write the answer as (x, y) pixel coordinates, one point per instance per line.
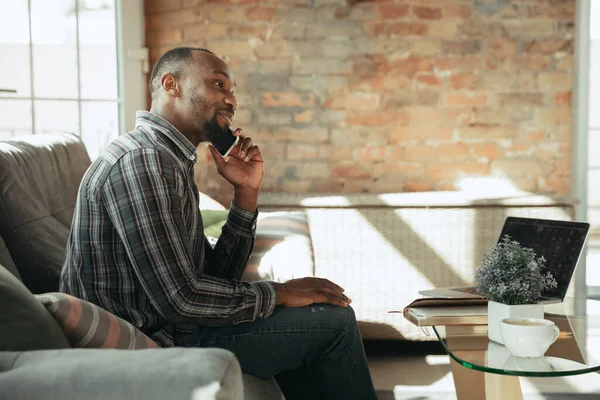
(214, 131)
(211, 130)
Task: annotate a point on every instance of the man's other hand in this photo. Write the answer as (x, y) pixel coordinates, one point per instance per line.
(306, 291)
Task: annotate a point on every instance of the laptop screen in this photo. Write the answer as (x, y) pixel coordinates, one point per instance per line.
(560, 242)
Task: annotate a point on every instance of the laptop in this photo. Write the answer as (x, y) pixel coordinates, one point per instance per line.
(560, 242)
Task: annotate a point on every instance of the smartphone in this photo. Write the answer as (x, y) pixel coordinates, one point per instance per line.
(225, 142)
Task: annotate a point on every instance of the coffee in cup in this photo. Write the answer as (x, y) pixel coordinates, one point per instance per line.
(528, 337)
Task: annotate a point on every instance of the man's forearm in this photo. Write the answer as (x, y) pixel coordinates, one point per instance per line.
(246, 199)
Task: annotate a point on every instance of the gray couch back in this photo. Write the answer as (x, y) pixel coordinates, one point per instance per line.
(39, 180)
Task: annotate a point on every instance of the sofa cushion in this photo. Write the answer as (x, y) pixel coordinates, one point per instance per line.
(151, 374)
(87, 325)
(39, 179)
(24, 322)
(6, 260)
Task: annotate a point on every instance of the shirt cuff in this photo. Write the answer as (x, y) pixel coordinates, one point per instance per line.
(241, 221)
(266, 297)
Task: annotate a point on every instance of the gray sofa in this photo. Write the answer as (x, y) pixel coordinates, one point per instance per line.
(39, 178)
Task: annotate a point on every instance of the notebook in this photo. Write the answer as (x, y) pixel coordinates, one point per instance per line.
(561, 243)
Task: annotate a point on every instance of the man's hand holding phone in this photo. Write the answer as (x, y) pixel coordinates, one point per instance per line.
(242, 165)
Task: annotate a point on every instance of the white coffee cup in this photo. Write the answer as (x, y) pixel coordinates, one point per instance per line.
(528, 337)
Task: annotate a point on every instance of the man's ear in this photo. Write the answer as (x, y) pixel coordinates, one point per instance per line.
(170, 85)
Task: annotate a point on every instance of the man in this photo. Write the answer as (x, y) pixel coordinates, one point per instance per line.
(137, 247)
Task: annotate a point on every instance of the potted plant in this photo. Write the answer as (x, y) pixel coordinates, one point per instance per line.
(512, 277)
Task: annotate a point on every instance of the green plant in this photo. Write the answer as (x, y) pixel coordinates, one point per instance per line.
(511, 274)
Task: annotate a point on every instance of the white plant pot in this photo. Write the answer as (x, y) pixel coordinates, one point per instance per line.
(498, 311)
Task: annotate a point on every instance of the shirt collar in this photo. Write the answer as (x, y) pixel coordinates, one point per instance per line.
(146, 118)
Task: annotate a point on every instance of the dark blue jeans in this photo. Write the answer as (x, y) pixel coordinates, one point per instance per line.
(313, 352)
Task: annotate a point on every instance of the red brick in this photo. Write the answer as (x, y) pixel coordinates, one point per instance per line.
(453, 150)
(518, 167)
(558, 185)
(359, 136)
(378, 153)
(417, 186)
(201, 31)
(224, 13)
(227, 48)
(396, 28)
(261, 13)
(521, 148)
(550, 46)
(161, 37)
(158, 6)
(173, 18)
(536, 99)
(502, 47)
(411, 133)
(490, 151)
(565, 63)
(562, 167)
(442, 28)
(453, 99)
(248, 31)
(288, 99)
(423, 12)
(384, 83)
(461, 47)
(457, 64)
(532, 136)
(423, 115)
(451, 170)
(534, 62)
(487, 132)
(555, 80)
(393, 11)
(341, 153)
(378, 118)
(305, 117)
(564, 10)
(420, 152)
(562, 99)
(361, 101)
(349, 169)
(412, 170)
(451, 9)
(554, 116)
(430, 80)
(296, 151)
(409, 66)
(286, 134)
(463, 81)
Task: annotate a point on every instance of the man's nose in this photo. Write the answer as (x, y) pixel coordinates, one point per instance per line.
(232, 101)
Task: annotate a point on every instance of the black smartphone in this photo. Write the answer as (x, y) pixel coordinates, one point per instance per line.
(225, 142)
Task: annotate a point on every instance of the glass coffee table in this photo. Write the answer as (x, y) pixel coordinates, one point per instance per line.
(486, 370)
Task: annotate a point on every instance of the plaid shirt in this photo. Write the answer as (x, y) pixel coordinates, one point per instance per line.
(137, 247)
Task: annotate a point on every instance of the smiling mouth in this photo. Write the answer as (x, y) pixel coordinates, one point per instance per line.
(226, 118)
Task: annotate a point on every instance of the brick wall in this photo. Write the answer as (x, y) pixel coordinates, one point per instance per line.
(380, 96)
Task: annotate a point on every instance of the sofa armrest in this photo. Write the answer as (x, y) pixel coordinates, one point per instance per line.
(176, 373)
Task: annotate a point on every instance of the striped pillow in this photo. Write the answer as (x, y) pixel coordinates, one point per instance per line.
(283, 248)
(87, 325)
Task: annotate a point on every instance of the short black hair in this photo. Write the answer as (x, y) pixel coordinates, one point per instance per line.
(174, 62)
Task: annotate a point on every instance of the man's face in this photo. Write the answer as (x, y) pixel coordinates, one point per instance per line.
(208, 103)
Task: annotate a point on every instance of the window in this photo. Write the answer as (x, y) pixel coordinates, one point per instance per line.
(60, 69)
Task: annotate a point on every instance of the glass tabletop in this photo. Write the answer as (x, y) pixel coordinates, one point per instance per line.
(576, 351)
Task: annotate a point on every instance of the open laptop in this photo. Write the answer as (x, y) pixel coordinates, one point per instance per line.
(560, 242)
